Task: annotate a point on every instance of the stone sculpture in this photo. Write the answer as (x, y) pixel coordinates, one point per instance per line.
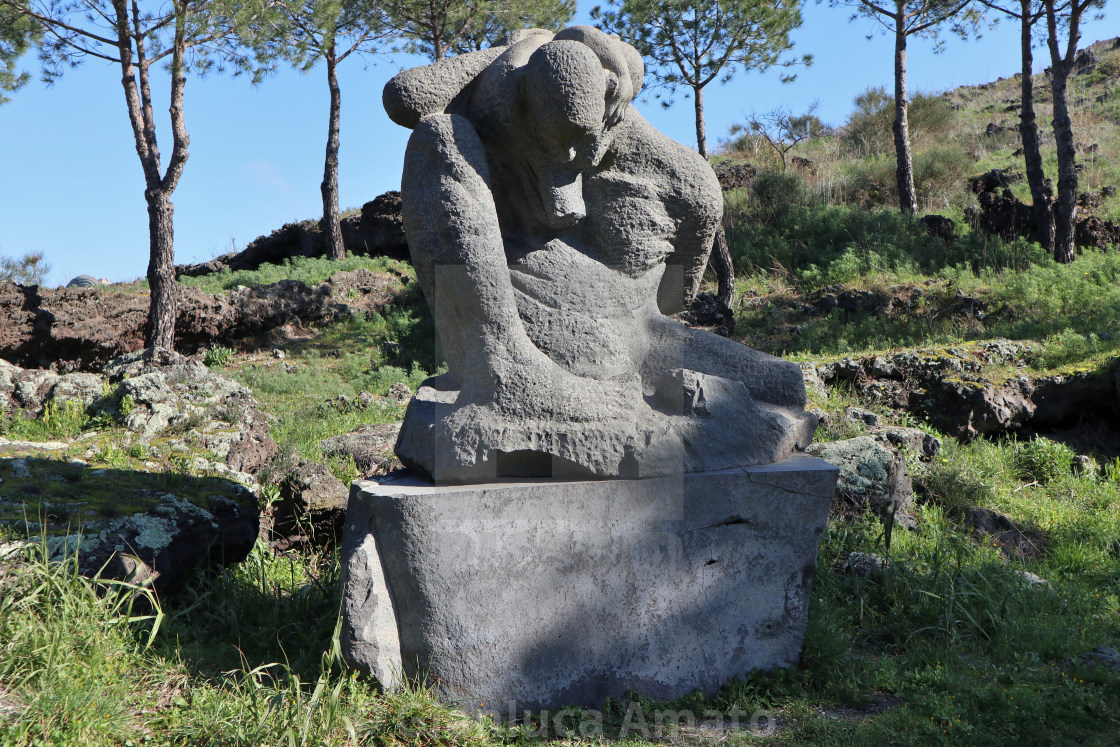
(553, 230)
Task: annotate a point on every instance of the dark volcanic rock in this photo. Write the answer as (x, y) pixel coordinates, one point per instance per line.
(940, 227)
(377, 231)
(733, 174)
(312, 506)
(706, 312)
(127, 525)
(951, 389)
(83, 328)
(1014, 542)
(1002, 214)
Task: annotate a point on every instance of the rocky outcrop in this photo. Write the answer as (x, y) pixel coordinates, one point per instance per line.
(956, 391)
(160, 394)
(707, 312)
(1002, 214)
(734, 174)
(371, 448)
(376, 232)
(1014, 542)
(192, 440)
(167, 392)
(81, 329)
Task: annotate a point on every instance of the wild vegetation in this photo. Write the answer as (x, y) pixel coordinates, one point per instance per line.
(944, 641)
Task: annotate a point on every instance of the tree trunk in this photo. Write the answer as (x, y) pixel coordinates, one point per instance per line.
(904, 171)
(725, 272)
(720, 258)
(1065, 209)
(1032, 154)
(701, 128)
(332, 231)
(162, 308)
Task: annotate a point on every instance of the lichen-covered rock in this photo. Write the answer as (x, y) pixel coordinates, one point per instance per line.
(128, 525)
(915, 440)
(167, 391)
(872, 477)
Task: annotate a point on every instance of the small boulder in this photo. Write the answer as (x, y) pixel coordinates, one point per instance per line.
(312, 507)
(1033, 581)
(862, 564)
(872, 477)
(917, 441)
(371, 447)
(1104, 656)
(860, 415)
(1014, 541)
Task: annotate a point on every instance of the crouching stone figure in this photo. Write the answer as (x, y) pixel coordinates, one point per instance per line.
(553, 230)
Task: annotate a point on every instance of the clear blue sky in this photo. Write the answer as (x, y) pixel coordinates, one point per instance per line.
(71, 184)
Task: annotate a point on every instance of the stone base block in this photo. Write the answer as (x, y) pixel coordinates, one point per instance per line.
(529, 595)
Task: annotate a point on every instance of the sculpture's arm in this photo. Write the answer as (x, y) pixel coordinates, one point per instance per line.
(420, 91)
(695, 201)
(685, 266)
(456, 245)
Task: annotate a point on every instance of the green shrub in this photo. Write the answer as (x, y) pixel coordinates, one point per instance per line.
(940, 174)
(218, 356)
(1042, 460)
(870, 182)
(30, 269)
(772, 194)
(869, 132)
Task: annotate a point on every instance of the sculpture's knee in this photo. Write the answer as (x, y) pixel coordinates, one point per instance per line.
(789, 383)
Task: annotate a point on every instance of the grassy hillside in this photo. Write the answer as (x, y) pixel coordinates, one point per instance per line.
(957, 134)
(948, 643)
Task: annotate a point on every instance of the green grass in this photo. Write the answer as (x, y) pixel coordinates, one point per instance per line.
(358, 355)
(307, 270)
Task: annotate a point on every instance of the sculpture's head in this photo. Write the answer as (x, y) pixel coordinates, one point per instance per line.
(577, 88)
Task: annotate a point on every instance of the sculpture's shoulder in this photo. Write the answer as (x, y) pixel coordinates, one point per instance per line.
(680, 173)
(444, 86)
(414, 93)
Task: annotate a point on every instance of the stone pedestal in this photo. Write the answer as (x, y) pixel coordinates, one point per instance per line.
(538, 594)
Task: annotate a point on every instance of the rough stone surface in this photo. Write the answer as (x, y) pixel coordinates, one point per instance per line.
(956, 391)
(72, 329)
(1015, 542)
(371, 447)
(171, 391)
(553, 593)
(1103, 656)
(554, 231)
(312, 507)
(872, 476)
(914, 440)
(163, 395)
